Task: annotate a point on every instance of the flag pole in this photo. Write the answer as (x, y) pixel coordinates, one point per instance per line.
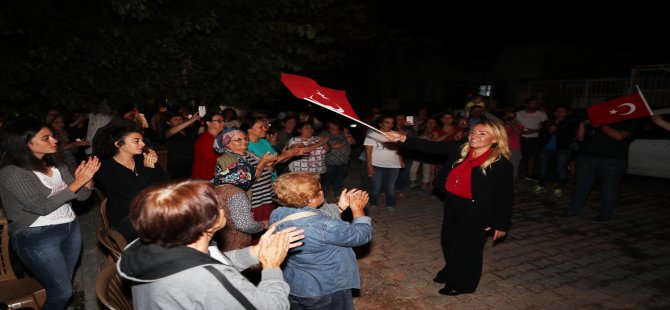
(644, 99)
(347, 116)
(363, 123)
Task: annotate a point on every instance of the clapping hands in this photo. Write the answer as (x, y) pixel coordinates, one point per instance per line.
(150, 158)
(83, 174)
(354, 198)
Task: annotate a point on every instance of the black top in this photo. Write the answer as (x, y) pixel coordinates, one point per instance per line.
(180, 152)
(597, 144)
(492, 193)
(122, 185)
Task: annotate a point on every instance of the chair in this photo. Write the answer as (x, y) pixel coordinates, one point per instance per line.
(26, 292)
(103, 213)
(113, 241)
(112, 290)
(99, 193)
(162, 153)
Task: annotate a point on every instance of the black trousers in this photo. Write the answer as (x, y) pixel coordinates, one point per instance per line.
(463, 241)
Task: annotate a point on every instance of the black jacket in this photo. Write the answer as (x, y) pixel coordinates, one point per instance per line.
(492, 194)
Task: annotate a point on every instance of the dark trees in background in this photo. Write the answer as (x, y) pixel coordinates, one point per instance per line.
(83, 52)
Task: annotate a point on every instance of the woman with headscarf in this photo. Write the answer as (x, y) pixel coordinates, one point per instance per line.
(232, 144)
(231, 186)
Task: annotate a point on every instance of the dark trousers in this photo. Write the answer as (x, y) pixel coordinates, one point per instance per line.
(340, 300)
(334, 178)
(462, 245)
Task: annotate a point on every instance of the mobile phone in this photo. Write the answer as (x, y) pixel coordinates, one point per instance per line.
(202, 110)
(409, 120)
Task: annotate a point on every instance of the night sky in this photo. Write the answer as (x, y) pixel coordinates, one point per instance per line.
(640, 31)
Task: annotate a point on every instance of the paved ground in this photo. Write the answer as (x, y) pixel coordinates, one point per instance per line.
(545, 262)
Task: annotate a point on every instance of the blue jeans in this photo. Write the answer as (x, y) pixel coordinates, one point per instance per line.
(51, 253)
(334, 177)
(403, 175)
(338, 300)
(591, 170)
(562, 158)
(385, 179)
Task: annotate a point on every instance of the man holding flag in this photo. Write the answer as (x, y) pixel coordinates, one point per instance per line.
(603, 155)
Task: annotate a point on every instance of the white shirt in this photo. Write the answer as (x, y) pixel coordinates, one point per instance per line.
(64, 213)
(384, 153)
(531, 121)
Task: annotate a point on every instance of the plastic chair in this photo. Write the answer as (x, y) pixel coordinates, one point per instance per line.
(26, 292)
(103, 213)
(112, 291)
(99, 193)
(113, 241)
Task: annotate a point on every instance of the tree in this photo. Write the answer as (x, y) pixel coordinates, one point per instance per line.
(81, 52)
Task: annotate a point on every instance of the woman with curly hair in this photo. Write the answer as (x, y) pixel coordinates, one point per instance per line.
(125, 171)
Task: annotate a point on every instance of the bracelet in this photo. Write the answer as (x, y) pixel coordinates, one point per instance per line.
(340, 208)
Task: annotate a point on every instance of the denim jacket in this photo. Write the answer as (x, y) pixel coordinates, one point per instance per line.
(326, 262)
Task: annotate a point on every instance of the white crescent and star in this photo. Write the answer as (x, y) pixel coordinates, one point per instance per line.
(631, 108)
(327, 105)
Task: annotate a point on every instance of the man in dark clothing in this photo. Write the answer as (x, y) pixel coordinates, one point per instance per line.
(603, 157)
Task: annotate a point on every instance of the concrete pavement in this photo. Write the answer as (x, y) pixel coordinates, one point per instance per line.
(545, 262)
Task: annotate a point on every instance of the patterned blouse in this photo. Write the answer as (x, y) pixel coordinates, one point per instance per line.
(337, 156)
(314, 161)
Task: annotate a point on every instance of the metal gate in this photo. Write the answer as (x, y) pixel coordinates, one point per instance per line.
(654, 81)
(576, 93)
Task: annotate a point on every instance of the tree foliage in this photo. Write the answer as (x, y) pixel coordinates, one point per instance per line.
(83, 52)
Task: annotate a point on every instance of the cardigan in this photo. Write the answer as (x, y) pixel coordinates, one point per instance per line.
(492, 193)
(25, 198)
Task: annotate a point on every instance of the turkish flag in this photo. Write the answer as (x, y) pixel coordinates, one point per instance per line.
(619, 109)
(332, 99)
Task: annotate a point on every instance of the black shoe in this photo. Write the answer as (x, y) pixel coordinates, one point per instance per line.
(451, 292)
(601, 219)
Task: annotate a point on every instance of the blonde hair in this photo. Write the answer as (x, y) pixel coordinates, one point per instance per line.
(498, 149)
(295, 189)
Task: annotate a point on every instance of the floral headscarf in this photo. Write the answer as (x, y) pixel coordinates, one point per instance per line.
(223, 138)
(240, 174)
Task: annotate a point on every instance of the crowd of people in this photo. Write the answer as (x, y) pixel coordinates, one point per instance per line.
(238, 192)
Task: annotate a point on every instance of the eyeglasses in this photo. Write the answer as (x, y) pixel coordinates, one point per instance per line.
(239, 139)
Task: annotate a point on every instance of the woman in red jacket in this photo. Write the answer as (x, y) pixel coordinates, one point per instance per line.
(479, 200)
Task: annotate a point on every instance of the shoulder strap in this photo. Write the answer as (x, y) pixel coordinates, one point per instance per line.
(231, 289)
(295, 216)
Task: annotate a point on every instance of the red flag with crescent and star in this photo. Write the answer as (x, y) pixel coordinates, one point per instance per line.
(332, 99)
(619, 109)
